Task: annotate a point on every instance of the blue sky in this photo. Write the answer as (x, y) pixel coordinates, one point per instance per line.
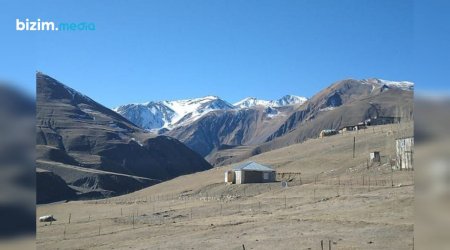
(173, 49)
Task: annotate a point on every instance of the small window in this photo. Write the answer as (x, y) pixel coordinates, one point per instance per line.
(266, 176)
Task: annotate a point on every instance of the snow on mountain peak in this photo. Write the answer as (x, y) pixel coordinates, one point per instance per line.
(250, 102)
(290, 100)
(404, 85)
(169, 114)
(283, 101)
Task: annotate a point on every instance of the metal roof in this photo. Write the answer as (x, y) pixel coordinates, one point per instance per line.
(253, 166)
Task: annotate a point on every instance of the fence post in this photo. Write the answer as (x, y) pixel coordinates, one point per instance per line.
(285, 201)
(321, 244)
(392, 177)
(70, 216)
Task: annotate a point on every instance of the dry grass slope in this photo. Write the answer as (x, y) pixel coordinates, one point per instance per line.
(337, 199)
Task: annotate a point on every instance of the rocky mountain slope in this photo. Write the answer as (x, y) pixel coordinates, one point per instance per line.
(344, 103)
(365, 97)
(259, 129)
(230, 128)
(216, 127)
(76, 135)
(50, 187)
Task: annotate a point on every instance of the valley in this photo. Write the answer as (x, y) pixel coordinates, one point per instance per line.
(151, 176)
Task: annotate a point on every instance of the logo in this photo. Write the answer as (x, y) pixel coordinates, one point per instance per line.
(40, 25)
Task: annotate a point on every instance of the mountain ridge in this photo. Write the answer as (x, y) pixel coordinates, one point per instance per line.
(75, 133)
(162, 116)
(345, 102)
(166, 115)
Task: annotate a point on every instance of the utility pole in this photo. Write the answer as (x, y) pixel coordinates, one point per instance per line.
(354, 142)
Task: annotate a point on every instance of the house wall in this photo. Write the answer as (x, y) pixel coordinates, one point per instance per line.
(239, 177)
(229, 176)
(272, 177)
(254, 176)
(404, 150)
(384, 120)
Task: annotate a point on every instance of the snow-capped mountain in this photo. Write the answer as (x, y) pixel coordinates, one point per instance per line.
(208, 124)
(169, 114)
(283, 101)
(151, 115)
(191, 109)
(162, 116)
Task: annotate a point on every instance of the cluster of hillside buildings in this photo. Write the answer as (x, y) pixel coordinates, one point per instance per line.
(252, 172)
(382, 120)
